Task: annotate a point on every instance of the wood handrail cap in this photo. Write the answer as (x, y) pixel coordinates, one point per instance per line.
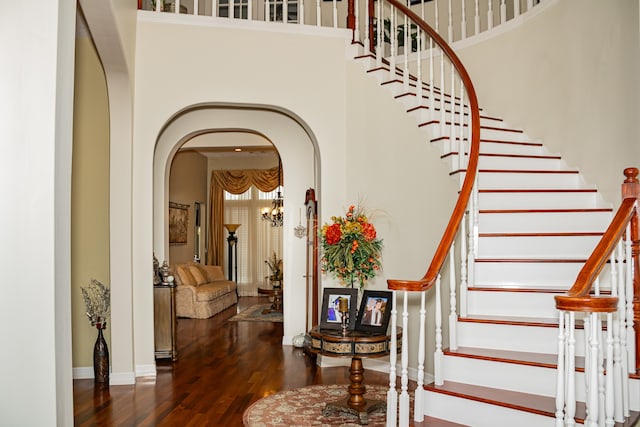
(409, 285)
(587, 304)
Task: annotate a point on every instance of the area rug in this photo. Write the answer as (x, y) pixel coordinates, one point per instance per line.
(254, 314)
(303, 407)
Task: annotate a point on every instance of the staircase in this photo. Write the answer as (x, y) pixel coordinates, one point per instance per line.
(537, 223)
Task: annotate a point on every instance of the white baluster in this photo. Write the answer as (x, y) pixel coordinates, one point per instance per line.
(285, 11)
(560, 372)
(463, 23)
(232, 9)
(601, 379)
(196, 10)
(432, 93)
(529, 5)
(476, 19)
(367, 41)
(443, 120)
(419, 83)
(176, 8)
(490, 16)
(463, 270)
(267, 14)
(455, 143)
(335, 13)
(379, 34)
(406, 51)
(418, 410)
(617, 289)
(570, 412)
(461, 145)
(450, 27)
(404, 379)
(319, 13)
(609, 387)
(592, 373)
(249, 9)
(438, 355)
(503, 11)
(516, 8)
(392, 393)
(393, 31)
(453, 315)
(357, 18)
(587, 353)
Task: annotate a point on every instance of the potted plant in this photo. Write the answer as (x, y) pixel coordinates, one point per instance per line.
(275, 265)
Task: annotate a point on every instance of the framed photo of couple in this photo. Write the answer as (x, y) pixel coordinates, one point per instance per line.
(375, 311)
(331, 316)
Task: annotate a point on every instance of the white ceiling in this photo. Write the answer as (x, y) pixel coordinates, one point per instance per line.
(222, 144)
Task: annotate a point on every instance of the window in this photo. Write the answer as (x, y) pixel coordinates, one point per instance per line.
(240, 8)
(257, 239)
(276, 11)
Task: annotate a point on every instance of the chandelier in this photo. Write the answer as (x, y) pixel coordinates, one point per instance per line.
(275, 214)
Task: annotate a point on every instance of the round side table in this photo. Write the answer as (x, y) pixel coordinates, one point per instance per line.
(276, 294)
(354, 344)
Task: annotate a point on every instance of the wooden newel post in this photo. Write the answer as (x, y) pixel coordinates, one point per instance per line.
(372, 44)
(631, 189)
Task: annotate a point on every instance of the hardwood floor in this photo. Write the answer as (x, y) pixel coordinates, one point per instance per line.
(222, 368)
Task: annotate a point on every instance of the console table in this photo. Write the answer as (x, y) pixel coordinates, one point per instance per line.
(356, 345)
(164, 319)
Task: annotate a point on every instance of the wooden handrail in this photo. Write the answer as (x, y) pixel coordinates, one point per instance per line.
(467, 186)
(577, 298)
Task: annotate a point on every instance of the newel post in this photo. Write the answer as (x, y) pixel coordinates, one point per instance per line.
(631, 189)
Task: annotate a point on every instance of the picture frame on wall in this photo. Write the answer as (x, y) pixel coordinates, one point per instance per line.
(178, 223)
(331, 318)
(375, 312)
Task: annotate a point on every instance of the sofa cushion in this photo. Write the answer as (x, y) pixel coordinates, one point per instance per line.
(211, 291)
(214, 272)
(198, 274)
(184, 276)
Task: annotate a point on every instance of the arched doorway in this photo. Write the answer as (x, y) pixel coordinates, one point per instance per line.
(300, 162)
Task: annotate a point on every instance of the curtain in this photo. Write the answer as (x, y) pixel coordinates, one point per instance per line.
(235, 182)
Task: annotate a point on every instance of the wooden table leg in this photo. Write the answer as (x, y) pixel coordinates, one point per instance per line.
(355, 403)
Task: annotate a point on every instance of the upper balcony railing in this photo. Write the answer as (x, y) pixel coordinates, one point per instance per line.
(455, 20)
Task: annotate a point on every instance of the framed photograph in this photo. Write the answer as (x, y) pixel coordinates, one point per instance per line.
(375, 311)
(178, 223)
(331, 317)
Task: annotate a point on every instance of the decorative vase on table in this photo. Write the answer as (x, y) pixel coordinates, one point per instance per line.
(101, 359)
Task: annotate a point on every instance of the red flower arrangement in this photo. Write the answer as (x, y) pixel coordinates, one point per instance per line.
(351, 250)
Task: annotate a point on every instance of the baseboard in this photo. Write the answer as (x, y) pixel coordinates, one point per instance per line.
(146, 371)
(83, 373)
(378, 365)
(119, 378)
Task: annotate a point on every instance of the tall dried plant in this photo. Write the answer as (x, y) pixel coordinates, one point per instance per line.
(97, 299)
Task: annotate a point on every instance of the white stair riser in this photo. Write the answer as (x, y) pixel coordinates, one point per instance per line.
(504, 148)
(505, 180)
(502, 303)
(520, 163)
(539, 275)
(424, 115)
(543, 222)
(529, 200)
(478, 414)
(534, 339)
(507, 376)
(537, 247)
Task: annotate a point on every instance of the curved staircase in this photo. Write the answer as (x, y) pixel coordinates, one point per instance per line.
(538, 221)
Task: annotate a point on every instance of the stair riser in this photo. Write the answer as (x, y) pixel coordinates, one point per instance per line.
(543, 222)
(478, 414)
(551, 180)
(424, 115)
(531, 274)
(520, 163)
(500, 303)
(537, 339)
(537, 247)
(529, 200)
(507, 376)
(503, 148)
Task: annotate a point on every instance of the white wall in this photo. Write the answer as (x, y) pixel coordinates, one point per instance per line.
(303, 94)
(569, 77)
(35, 163)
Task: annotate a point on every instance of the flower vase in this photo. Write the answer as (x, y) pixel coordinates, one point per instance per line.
(101, 360)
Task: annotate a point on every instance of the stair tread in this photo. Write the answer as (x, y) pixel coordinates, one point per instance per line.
(518, 357)
(511, 320)
(436, 422)
(533, 403)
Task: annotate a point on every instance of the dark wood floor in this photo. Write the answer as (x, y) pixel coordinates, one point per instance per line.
(222, 368)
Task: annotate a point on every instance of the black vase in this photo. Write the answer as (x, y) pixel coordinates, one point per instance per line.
(101, 361)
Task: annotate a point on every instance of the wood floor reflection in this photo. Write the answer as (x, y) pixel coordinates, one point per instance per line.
(222, 368)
